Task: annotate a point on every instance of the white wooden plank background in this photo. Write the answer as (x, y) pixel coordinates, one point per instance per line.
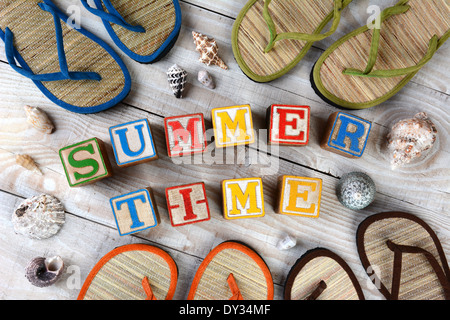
(90, 232)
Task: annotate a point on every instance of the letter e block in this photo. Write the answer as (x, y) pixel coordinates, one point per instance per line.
(132, 143)
(233, 126)
(185, 135)
(299, 196)
(85, 162)
(187, 204)
(346, 135)
(243, 198)
(288, 125)
(135, 211)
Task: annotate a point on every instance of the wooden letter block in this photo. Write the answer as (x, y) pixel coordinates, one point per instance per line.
(187, 204)
(85, 162)
(233, 126)
(288, 125)
(135, 211)
(132, 143)
(299, 196)
(346, 135)
(185, 134)
(243, 198)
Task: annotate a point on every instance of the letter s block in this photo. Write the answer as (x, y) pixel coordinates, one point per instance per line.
(132, 143)
(346, 135)
(299, 196)
(85, 162)
(243, 198)
(233, 126)
(288, 125)
(135, 211)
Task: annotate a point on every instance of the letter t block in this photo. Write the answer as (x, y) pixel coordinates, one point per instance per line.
(243, 198)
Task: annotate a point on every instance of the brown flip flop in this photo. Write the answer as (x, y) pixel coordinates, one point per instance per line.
(401, 252)
(320, 274)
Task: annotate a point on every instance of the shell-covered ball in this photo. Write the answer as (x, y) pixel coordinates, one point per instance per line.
(356, 190)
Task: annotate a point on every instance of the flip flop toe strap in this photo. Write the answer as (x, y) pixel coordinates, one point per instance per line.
(399, 250)
(236, 293)
(148, 289)
(318, 291)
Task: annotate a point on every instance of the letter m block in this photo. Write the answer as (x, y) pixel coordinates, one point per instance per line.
(243, 198)
(233, 126)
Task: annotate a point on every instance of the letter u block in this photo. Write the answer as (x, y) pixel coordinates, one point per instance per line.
(288, 125)
(233, 126)
(132, 143)
(299, 196)
(135, 211)
(85, 162)
(243, 198)
(185, 135)
(346, 135)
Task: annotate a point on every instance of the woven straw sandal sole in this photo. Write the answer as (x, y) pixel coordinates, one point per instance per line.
(120, 273)
(404, 41)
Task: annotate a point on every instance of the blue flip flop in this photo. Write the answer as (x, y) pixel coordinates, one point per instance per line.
(72, 67)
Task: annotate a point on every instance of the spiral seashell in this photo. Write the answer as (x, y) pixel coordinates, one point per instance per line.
(177, 80)
(39, 217)
(410, 138)
(28, 163)
(39, 119)
(42, 272)
(208, 49)
(205, 79)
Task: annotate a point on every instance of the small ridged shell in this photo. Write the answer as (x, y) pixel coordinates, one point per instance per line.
(205, 79)
(43, 272)
(177, 78)
(39, 119)
(208, 49)
(28, 163)
(39, 217)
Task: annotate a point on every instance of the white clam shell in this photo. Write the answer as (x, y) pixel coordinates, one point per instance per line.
(39, 119)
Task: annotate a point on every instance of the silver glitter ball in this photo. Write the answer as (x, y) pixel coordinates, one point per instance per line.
(356, 190)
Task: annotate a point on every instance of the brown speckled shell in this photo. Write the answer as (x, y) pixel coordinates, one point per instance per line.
(208, 49)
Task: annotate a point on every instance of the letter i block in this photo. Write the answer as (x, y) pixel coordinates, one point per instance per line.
(346, 135)
(288, 125)
(233, 126)
(187, 204)
(85, 162)
(185, 134)
(299, 196)
(243, 198)
(132, 143)
(135, 211)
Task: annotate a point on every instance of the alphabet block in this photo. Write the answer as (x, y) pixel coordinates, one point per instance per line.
(85, 162)
(346, 135)
(185, 134)
(299, 196)
(132, 143)
(233, 126)
(288, 125)
(243, 198)
(135, 211)
(187, 204)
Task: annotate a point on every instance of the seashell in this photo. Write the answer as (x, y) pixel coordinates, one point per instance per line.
(42, 272)
(39, 119)
(410, 138)
(205, 79)
(39, 217)
(177, 80)
(356, 190)
(208, 49)
(286, 243)
(28, 163)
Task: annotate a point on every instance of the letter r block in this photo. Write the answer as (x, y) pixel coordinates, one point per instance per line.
(187, 204)
(233, 126)
(346, 135)
(132, 143)
(299, 196)
(85, 162)
(135, 211)
(185, 135)
(243, 198)
(288, 125)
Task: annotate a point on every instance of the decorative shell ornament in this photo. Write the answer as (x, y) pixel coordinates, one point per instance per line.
(208, 49)
(39, 217)
(28, 163)
(356, 190)
(39, 119)
(205, 79)
(410, 138)
(43, 272)
(177, 80)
